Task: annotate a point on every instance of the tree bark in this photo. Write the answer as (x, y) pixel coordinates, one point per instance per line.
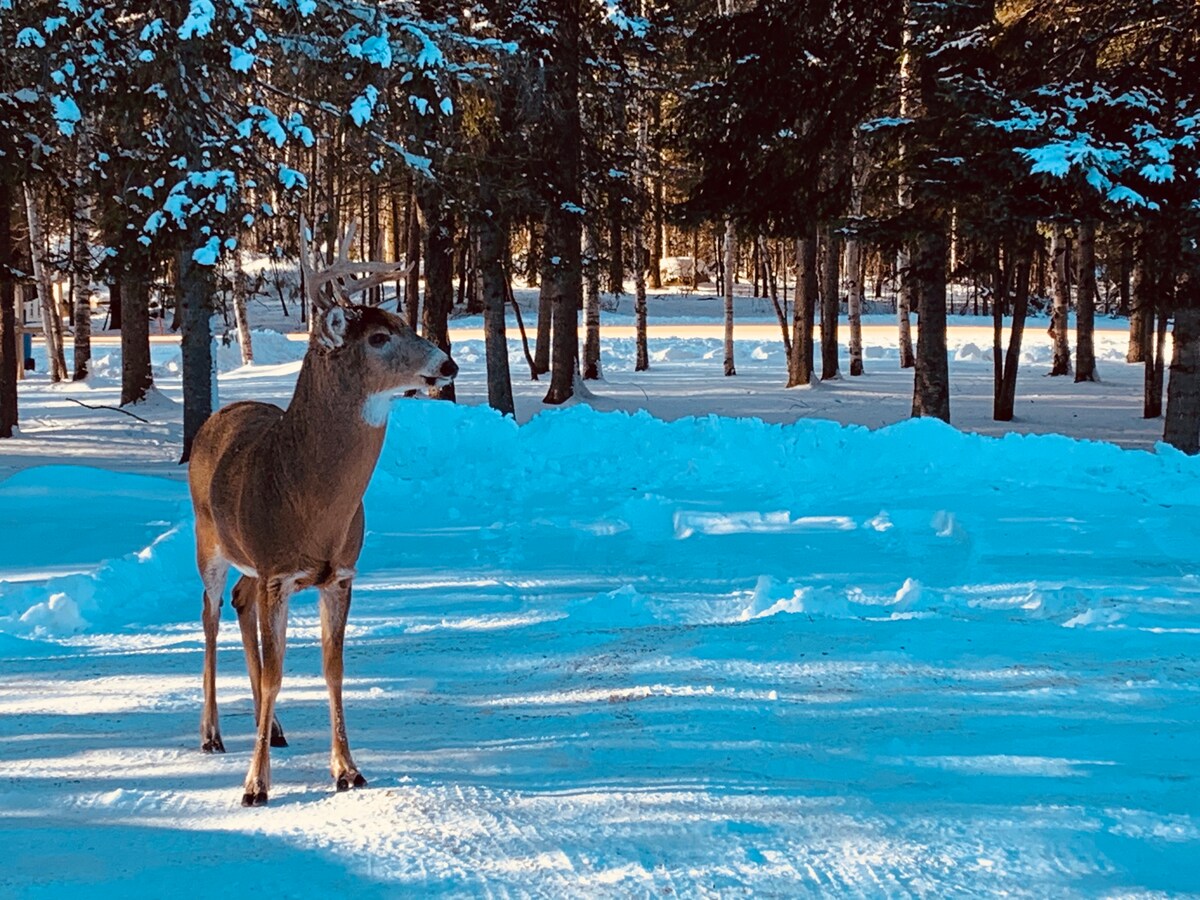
(829, 305)
(412, 251)
(563, 225)
(1085, 305)
(1181, 428)
(51, 321)
(541, 349)
(439, 274)
(800, 364)
(1061, 362)
(8, 315)
(591, 294)
(1004, 400)
(115, 306)
(904, 299)
(1141, 305)
(136, 375)
(493, 245)
(82, 291)
(199, 384)
(730, 267)
(931, 382)
(239, 309)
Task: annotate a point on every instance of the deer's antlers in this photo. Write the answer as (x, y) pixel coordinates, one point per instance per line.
(344, 276)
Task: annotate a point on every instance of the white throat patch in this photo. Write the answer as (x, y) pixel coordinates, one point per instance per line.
(376, 407)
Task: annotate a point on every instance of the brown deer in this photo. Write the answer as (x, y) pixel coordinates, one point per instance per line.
(278, 496)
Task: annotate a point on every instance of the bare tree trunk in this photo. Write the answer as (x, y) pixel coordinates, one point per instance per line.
(412, 249)
(637, 232)
(800, 365)
(51, 320)
(541, 351)
(1181, 428)
(1085, 305)
(1061, 364)
(780, 312)
(904, 299)
(1005, 398)
(591, 294)
(199, 383)
(1153, 371)
(239, 309)
(730, 267)
(931, 382)
(8, 315)
(1141, 304)
(82, 292)
(136, 375)
(829, 305)
(493, 244)
(374, 236)
(439, 274)
(854, 263)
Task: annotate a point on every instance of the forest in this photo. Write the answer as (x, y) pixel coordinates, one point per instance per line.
(1041, 158)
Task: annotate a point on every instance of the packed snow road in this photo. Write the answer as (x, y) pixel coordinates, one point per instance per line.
(606, 655)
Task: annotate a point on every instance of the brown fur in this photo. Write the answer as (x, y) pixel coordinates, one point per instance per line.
(278, 495)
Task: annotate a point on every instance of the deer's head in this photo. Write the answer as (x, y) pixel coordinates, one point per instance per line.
(374, 349)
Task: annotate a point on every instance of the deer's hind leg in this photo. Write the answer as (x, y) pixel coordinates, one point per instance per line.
(244, 593)
(214, 569)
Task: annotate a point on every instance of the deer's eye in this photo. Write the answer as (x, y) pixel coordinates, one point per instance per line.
(379, 338)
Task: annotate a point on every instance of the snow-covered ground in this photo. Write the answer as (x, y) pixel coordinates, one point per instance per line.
(612, 654)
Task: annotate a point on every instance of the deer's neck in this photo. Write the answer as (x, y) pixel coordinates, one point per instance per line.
(325, 426)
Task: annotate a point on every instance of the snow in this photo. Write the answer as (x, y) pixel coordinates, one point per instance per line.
(609, 653)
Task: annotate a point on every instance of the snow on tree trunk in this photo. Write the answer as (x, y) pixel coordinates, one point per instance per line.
(1061, 361)
(800, 363)
(1182, 426)
(195, 295)
(136, 375)
(239, 309)
(931, 382)
(1085, 305)
(830, 305)
(51, 321)
(493, 243)
(730, 265)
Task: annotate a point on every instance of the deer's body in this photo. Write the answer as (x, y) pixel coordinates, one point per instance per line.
(278, 496)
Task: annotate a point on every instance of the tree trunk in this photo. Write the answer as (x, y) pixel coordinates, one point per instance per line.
(563, 225)
(800, 364)
(1005, 399)
(1141, 304)
(439, 274)
(931, 382)
(1182, 426)
(1061, 364)
(136, 375)
(830, 305)
(115, 310)
(730, 266)
(374, 240)
(591, 294)
(82, 291)
(199, 384)
(854, 285)
(239, 309)
(780, 311)
(8, 315)
(541, 349)
(904, 299)
(493, 244)
(1085, 305)
(51, 321)
(412, 250)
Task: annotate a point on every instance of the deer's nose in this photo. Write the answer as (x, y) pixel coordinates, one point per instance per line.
(449, 368)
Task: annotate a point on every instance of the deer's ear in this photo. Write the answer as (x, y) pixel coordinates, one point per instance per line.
(331, 329)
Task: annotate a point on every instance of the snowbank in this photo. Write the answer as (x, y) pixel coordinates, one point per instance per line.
(809, 518)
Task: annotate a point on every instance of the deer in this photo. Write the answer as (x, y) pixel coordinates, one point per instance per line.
(277, 495)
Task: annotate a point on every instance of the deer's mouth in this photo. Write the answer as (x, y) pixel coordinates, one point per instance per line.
(437, 381)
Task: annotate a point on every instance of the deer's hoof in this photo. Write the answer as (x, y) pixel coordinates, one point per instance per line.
(254, 798)
(213, 744)
(277, 738)
(345, 782)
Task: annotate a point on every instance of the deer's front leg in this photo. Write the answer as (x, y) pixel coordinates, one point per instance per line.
(273, 596)
(335, 607)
